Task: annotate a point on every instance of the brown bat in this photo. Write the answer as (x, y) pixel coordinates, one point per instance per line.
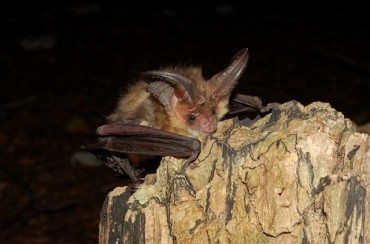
(164, 112)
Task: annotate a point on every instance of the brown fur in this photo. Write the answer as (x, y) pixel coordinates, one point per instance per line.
(185, 104)
(138, 103)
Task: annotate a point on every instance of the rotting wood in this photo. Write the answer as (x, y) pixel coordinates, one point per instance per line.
(299, 174)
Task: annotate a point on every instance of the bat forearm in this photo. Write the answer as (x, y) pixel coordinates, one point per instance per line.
(165, 101)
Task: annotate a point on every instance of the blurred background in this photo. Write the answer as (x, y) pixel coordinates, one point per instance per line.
(64, 64)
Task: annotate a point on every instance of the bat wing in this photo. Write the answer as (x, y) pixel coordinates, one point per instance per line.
(242, 103)
(117, 140)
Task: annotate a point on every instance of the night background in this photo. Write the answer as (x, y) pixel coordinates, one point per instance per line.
(64, 64)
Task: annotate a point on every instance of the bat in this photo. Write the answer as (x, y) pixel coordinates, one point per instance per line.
(164, 112)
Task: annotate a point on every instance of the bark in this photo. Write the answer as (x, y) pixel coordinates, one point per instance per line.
(298, 175)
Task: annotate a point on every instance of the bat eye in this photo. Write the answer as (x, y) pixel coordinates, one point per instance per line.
(191, 118)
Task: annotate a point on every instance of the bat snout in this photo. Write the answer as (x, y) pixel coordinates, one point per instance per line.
(209, 127)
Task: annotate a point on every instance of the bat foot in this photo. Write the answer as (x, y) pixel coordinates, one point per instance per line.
(135, 185)
(124, 166)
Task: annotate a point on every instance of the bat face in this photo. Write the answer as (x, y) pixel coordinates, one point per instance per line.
(199, 119)
(195, 105)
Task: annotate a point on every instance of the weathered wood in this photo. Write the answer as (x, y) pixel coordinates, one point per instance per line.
(300, 174)
(111, 216)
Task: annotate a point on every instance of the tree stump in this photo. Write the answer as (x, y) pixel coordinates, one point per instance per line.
(298, 175)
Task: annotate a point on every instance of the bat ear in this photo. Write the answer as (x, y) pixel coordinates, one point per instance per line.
(224, 81)
(163, 92)
(164, 85)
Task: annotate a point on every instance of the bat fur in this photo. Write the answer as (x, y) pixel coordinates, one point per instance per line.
(188, 113)
(163, 113)
(179, 100)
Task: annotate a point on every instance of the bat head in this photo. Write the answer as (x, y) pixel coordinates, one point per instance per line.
(195, 105)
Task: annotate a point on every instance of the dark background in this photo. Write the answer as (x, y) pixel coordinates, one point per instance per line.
(63, 65)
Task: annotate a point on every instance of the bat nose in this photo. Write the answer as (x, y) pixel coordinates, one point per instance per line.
(209, 127)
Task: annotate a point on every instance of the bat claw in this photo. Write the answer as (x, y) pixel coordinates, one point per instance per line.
(135, 186)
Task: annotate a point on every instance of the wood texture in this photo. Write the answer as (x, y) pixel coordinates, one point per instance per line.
(299, 174)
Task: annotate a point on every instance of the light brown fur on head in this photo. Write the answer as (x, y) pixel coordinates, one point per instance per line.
(138, 103)
(179, 100)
